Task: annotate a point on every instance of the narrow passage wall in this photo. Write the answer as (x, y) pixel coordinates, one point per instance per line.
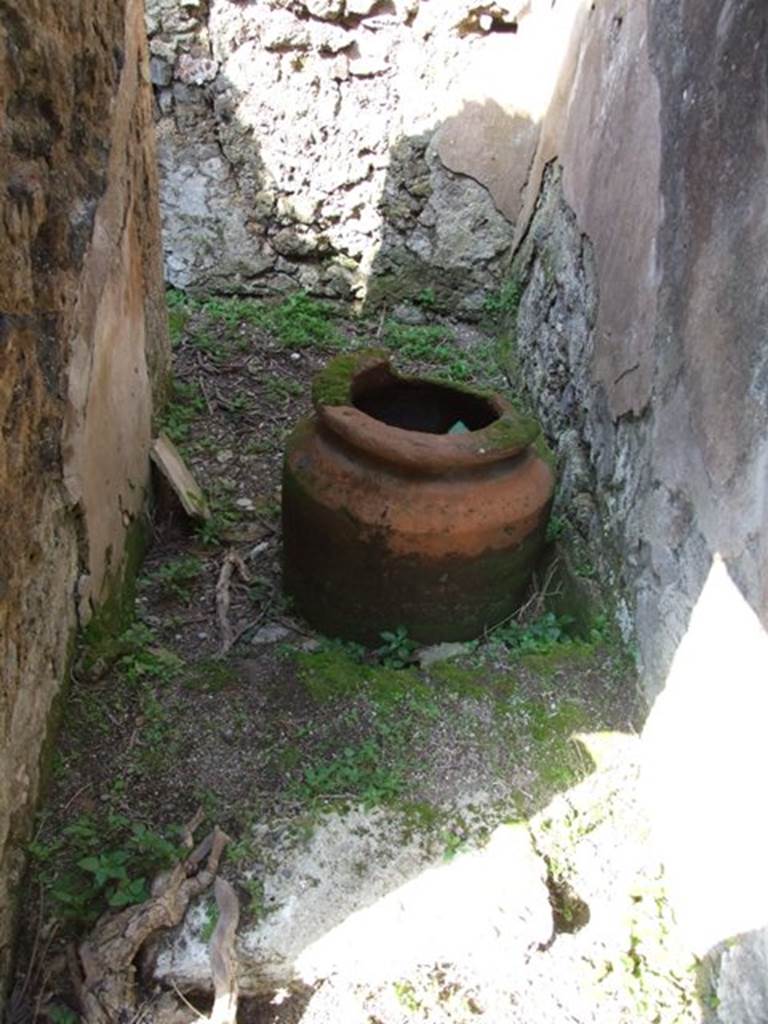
(83, 340)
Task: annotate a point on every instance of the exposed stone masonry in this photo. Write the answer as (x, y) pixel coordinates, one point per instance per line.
(298, 148)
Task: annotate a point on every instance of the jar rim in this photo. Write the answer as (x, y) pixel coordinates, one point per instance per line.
(341, 384)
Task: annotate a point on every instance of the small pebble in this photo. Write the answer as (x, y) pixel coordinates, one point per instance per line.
(295, 356)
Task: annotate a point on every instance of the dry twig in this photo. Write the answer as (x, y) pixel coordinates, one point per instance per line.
(232, 561)
(223, 960)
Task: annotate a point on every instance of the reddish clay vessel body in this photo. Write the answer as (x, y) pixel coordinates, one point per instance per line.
(390, 520)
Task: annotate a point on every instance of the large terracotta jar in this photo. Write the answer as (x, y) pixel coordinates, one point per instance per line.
(410, 502)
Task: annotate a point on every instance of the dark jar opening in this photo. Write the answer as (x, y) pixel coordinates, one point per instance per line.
(419, 405)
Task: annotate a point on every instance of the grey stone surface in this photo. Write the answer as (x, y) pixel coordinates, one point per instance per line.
(358, 901)
(385, 931)
(741, 980)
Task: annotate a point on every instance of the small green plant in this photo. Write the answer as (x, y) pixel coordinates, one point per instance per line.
(61, 1014)
(135, 653)
(405, 994)
(203, 342)
(179, 308)
(257, 898)
(453, 843)
(233, 310)
(297, 321)
(503, 304)
(537, 637)
(396, 649)
(300, 322)
(210, 675)
(354, 772)
(174, 577)
(97, 862)
(556, 527)
(185, 405)
(586, 569)
(426, 298)
(110, 877)
(223, 517)
(281, 389)
(210, 922)
(428, 343)
(144, 660)
(238, 404)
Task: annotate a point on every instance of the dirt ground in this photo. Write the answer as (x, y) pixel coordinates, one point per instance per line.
(288, 725)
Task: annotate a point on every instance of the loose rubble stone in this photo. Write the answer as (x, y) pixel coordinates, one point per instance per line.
(271, 633)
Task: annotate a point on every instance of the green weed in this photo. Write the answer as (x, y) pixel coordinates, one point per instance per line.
(233, 310)
(174, 577)
(211, 920)
(541, 636)
(405, 994)
(238, 404)
(257, 899)
(99, 862)
(556, 526)
(297, 321)
(211, 675)
(426, 344)
(209, 346)
(143, 661)
(223, 517)
(300, 322)
(356, 772)
(185, 405)
(396, 649)
(503, 304)
(281, 389)
(179, 308)
(60, 1014)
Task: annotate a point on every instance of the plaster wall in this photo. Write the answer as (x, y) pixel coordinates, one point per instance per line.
(82, 340)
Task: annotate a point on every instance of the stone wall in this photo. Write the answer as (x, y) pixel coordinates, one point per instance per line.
(82, 335)
(642, 252)
(338, 145)
(644, 272)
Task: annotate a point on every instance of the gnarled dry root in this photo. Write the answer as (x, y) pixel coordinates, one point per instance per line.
(108, 989)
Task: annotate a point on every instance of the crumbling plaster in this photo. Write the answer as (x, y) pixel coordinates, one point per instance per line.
(82, 336)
